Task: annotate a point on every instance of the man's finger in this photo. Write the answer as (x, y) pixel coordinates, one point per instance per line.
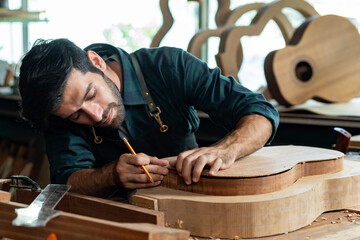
(216, 166)
(198, 168)
(157, 169)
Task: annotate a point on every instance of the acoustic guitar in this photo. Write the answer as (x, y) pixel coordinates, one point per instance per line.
(321, 62)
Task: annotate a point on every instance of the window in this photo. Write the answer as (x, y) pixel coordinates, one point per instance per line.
(133, 24)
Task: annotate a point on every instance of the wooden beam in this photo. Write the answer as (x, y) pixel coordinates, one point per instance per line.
(73, 226)
(99, 208)
(5, 196)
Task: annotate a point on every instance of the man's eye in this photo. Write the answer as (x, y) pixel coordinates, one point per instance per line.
(93, 94)
(75, 116)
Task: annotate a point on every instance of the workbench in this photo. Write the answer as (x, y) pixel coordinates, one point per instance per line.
(344, 224)
(329, 226)
(296, 128)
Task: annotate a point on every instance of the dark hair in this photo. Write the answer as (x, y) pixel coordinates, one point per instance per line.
(43, 74)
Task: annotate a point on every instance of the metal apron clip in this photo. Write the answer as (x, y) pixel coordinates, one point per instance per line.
(154, 110)
(97, 139)
(163, 127)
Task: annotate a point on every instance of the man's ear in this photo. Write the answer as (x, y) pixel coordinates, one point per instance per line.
(96, 60)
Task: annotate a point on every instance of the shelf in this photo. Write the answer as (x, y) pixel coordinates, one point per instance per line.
(7, 15)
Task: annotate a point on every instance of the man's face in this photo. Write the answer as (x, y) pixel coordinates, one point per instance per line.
(92, 100)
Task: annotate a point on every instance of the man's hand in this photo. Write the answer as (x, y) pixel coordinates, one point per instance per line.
(251, 133)
(196, 159)
(131, 175)
(125, 173)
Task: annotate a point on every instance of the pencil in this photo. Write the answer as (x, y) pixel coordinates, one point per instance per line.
(134, 153)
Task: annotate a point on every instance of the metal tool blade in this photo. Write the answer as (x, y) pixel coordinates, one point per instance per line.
(41, 210)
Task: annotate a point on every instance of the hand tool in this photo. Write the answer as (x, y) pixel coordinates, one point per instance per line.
(41, 210)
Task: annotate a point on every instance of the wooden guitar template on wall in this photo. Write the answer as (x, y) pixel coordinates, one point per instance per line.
(321, 61)
(227, 19)
(230, 48)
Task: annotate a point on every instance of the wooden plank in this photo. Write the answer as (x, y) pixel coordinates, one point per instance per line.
(267, 170)
(99, 208)
(145, 202)
(5, 196)
(260, 215)
(72, 226)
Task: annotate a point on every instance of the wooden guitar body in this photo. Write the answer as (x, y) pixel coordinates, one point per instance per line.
(321, 61)
(267, 170)
(323, 182)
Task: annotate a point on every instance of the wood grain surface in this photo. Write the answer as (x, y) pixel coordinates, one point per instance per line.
(267, 170)
(258, 215)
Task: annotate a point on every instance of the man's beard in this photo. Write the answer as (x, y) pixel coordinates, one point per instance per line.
(118, 106)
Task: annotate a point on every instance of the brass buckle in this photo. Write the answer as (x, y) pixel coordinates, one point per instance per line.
(163, 127)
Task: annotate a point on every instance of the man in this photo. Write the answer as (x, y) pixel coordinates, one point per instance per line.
(86, 101)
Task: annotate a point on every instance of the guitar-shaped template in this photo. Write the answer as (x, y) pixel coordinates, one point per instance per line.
(321, 61)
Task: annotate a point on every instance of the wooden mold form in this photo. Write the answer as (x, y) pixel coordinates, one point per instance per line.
(257, 215)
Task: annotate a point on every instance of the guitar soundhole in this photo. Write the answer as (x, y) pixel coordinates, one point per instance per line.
(303, 71)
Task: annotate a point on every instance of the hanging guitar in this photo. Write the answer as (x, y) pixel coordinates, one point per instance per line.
(321, 62)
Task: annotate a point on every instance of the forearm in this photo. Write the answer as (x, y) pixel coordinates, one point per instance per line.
(101, 182)
(251, 133)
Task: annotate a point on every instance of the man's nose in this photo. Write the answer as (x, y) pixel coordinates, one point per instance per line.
(93, 110)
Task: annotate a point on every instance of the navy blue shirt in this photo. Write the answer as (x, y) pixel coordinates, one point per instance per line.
(179, 84)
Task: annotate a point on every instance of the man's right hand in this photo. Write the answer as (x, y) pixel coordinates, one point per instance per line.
(131, 175)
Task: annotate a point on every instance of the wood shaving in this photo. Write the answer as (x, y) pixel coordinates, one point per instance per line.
(179, 223)
(236, 238)
(323, 218)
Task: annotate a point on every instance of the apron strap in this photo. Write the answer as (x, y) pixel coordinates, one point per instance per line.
(154, 111)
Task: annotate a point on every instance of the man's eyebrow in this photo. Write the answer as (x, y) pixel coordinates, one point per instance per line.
(82, 100)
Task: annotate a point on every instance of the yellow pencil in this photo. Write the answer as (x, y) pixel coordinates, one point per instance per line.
(134, 153)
